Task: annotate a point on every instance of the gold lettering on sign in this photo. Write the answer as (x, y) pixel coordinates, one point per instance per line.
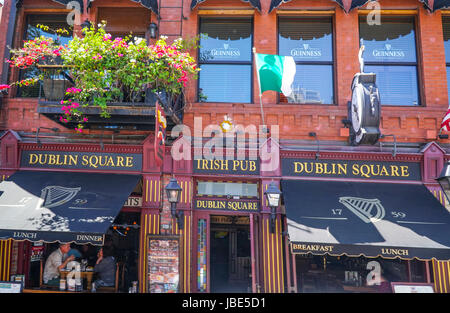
(391, 251)
(226, 165)
(94, 161)
(317, 248)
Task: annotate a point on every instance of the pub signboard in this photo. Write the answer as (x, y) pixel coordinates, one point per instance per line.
(82, 160)
(235, 205)
(229, 167)
(351, 169)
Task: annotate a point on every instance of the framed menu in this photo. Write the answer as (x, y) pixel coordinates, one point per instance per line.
(164, 259)
(10, 287)
(398, 287)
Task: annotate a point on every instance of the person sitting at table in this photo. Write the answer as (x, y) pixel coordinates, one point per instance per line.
(105, 267)
(55, 263)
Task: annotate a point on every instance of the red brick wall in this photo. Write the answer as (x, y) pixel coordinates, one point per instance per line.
(409, 124)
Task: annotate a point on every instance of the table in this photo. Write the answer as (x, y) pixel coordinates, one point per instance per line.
(83, 274)
(362, 289)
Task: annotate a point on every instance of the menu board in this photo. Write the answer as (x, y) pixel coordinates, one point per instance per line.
(163, 261)
(399, 287)
(10, 287)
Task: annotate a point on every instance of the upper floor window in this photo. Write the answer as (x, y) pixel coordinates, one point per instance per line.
(446, 28)
(390, 52)
(225, 59)
(123, 21)
(54, 22)
(310, 42)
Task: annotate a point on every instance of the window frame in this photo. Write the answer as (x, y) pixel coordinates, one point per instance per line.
(215, 18)
(447, 64)
(237, 181)
(332, 17)
(408, 63)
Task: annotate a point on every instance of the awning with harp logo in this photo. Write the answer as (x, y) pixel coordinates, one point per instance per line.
(370, 219)
(62, 206)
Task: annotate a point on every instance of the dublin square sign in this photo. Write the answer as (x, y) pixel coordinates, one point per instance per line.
(82, 160)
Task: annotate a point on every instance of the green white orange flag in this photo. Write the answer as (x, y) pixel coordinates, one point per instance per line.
(275, 72)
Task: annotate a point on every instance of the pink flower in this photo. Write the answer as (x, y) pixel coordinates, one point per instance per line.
(107, 37)
(85, 119)
(78, 129)
(120, 54)
(2, 87)
(73, 90)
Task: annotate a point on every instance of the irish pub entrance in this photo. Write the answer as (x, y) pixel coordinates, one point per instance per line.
(230, 254)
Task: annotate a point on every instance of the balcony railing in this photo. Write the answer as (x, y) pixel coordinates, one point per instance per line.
(125, 115)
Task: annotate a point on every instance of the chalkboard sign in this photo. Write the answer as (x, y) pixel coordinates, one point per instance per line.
(10, 287)
(163, 261)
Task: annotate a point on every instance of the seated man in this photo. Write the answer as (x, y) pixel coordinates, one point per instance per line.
(55, 263)
(105, 267)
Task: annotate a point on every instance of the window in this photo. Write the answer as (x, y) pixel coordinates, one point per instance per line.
(227, 189)
(390, 52)
(446, 27)
(310, 42)
(32, 31)
(121, 22)
(225, 58)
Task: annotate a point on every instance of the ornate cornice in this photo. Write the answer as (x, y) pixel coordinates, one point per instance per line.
(366, 156)
(82, 148)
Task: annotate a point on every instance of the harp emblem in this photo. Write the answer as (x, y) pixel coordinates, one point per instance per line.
(369, 210)
(54, 196)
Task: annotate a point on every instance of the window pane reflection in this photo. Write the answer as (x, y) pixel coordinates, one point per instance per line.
(391, 41)
(308, 40)
(225, 41)
(225, 83)
(397, 84)
(313, 84)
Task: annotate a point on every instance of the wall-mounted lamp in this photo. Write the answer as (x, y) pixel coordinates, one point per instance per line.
(394, 152)
(173, 191)
(313, 134)
(273, 196)
(153, 28)
(444, 180)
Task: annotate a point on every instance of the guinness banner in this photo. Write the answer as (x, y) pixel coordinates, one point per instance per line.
(351, 169)
(236, 167)
(82, 160)
(227, 205)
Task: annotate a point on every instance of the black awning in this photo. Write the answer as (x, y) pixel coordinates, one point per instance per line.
(62, 206)
(371, 219)
(254, 3)
(434, 5)
(347, 5)
(149, 4)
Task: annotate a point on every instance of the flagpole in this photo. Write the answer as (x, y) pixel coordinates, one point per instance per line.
(259, 85)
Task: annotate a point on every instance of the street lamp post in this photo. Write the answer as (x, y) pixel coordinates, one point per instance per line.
(273, 196)
(444, 180)
(173, 191)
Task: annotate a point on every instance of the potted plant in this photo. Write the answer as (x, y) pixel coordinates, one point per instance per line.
(108, 70)
(42, 55)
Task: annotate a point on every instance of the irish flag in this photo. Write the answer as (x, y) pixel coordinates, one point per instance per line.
(275, 72)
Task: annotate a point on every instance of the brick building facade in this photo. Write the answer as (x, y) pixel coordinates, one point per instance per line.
(411, 131)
